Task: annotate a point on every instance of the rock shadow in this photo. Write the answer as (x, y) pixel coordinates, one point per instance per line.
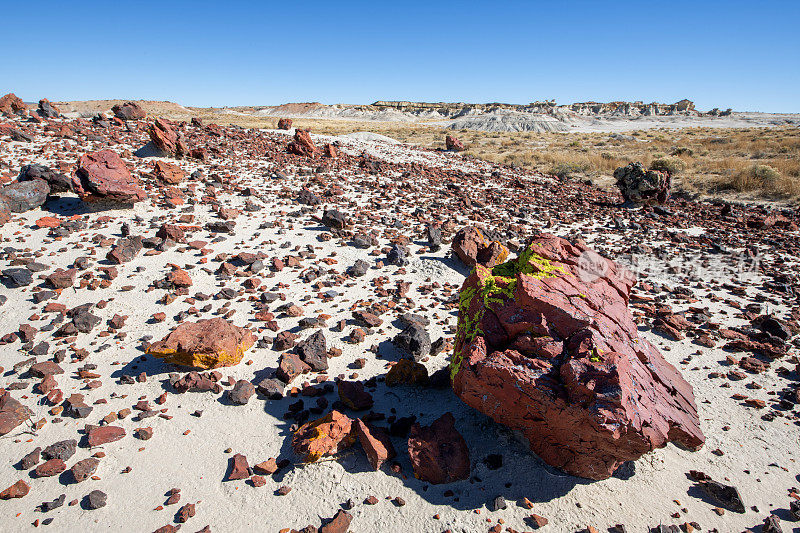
(521, 475)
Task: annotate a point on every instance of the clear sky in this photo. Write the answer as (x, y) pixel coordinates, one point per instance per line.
(719, 53)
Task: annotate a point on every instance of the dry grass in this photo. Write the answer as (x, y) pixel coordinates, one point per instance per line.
(758, 162)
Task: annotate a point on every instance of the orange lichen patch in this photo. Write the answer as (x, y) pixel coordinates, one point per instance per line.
(325, 436)
(406, 372)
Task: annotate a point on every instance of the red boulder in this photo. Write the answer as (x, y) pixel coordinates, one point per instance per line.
(325, 436)
(165, 137)
(302, 144)
(168, 173)
(128, 111)
(11, 104)
(103, 176)
(546, 345)
(285, 124)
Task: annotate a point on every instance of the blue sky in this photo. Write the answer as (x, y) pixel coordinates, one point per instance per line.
(739, 54)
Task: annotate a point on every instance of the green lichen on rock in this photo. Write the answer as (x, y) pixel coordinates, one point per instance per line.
(495, 286)
(529, 263)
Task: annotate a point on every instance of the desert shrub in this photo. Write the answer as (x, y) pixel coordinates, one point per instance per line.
(756, 177)
(673, 165)
(682, 150)
(568, 169)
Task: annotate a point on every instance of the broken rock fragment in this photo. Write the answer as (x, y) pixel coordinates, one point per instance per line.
(22, 196)
(204, 344)
(325, 436)
(17, 490)
(376, 443)
(84, 468)
(12, 413)
(438, 452)
(104, 434)
(241, 392)
(167, 139)
(472, 247)
(128, 111)
(413, 341)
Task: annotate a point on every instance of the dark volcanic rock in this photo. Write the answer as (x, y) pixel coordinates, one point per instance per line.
(57, 181)
(725, 495)
(314, 352)
(95, 500)
(640, 186)
(414, 341)
(334, 219)
(17, 277)
(23, 196)
(546, 345)
(47, 110)
(241, 392)
(271, 388)
(60, 450)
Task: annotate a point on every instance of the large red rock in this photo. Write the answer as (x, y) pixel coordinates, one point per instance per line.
(11, 104)
(204, 344)
(451, 143)
(165, 137)
(12, 413)
(302, 144)
(284, 124)
(129, 111)
(472, 247)
(546, 345)
(168, 173)
(103, 176)
(438, 452)
(325, 436)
